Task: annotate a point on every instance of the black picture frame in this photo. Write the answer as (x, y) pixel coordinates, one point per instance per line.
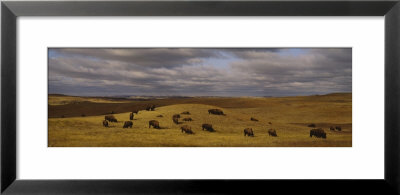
(11, 10)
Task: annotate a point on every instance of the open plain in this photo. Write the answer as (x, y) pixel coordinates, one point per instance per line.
(77, 121)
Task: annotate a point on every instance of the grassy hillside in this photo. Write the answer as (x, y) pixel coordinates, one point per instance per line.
(288, 115)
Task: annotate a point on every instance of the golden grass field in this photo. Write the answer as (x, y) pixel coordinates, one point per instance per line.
(288, 115)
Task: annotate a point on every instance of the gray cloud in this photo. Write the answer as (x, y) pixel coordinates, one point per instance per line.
(220, 72)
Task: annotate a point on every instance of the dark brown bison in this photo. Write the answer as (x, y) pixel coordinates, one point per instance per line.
(248, 132)
(175, 118)
(154, 123)
(332, 128)
(131, 116)
(187, 129)
(272, 132)
(311, 125)
(151, 107)
(207, 127)
(253, 119)
(110, 118)
(270, 123)
(318, 133)
(187, 119)
(105, 123)
(338, 128)
(186, 112)
(216, 112)
(160, 115)
(128, 124)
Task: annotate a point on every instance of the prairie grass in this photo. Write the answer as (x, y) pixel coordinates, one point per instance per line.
(288, 115)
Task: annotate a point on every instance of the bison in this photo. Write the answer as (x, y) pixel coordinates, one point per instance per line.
(128, 124)
(207, 127)
(272, 132)
(175, 118)
(270, 123)
(253, 119)
(131, 116)
(311, 125)
(110, 118)
(187, 119)
(338, 128)
(105, 123)
(151, 107)
(160, 115)
(248, 132)
(186, 112)
(332, 128)
(216, 112)
(154, 123)
(187, 129)
(318, 133)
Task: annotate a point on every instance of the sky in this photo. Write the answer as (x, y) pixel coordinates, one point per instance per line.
(199, 71)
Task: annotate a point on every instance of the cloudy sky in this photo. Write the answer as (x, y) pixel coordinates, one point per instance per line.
(199, 71)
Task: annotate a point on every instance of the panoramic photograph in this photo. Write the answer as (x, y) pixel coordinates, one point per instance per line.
(199, 97)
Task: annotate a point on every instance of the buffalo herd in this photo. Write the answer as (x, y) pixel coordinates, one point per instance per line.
(316, 132)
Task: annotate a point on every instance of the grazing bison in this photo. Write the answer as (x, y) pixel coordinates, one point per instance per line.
(151, 107)
(332, 128)
(160, 115)
(207, 127)
(105, 123)
(272, 132)
(128, 124)
(188, 119)
(270, 123)
(187, 129)
(318, 133)
(110, 118)
(253, 119)
(154, 123)
(311, 125)
(131, 116)
(216, 112)
(338, 128)
(248, 132)
(186, 112)
(175, 118)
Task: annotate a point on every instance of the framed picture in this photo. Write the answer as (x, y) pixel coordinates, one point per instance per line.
(199, 97)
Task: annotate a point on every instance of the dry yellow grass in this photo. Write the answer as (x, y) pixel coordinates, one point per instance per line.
(289, 116)
(62, 100)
